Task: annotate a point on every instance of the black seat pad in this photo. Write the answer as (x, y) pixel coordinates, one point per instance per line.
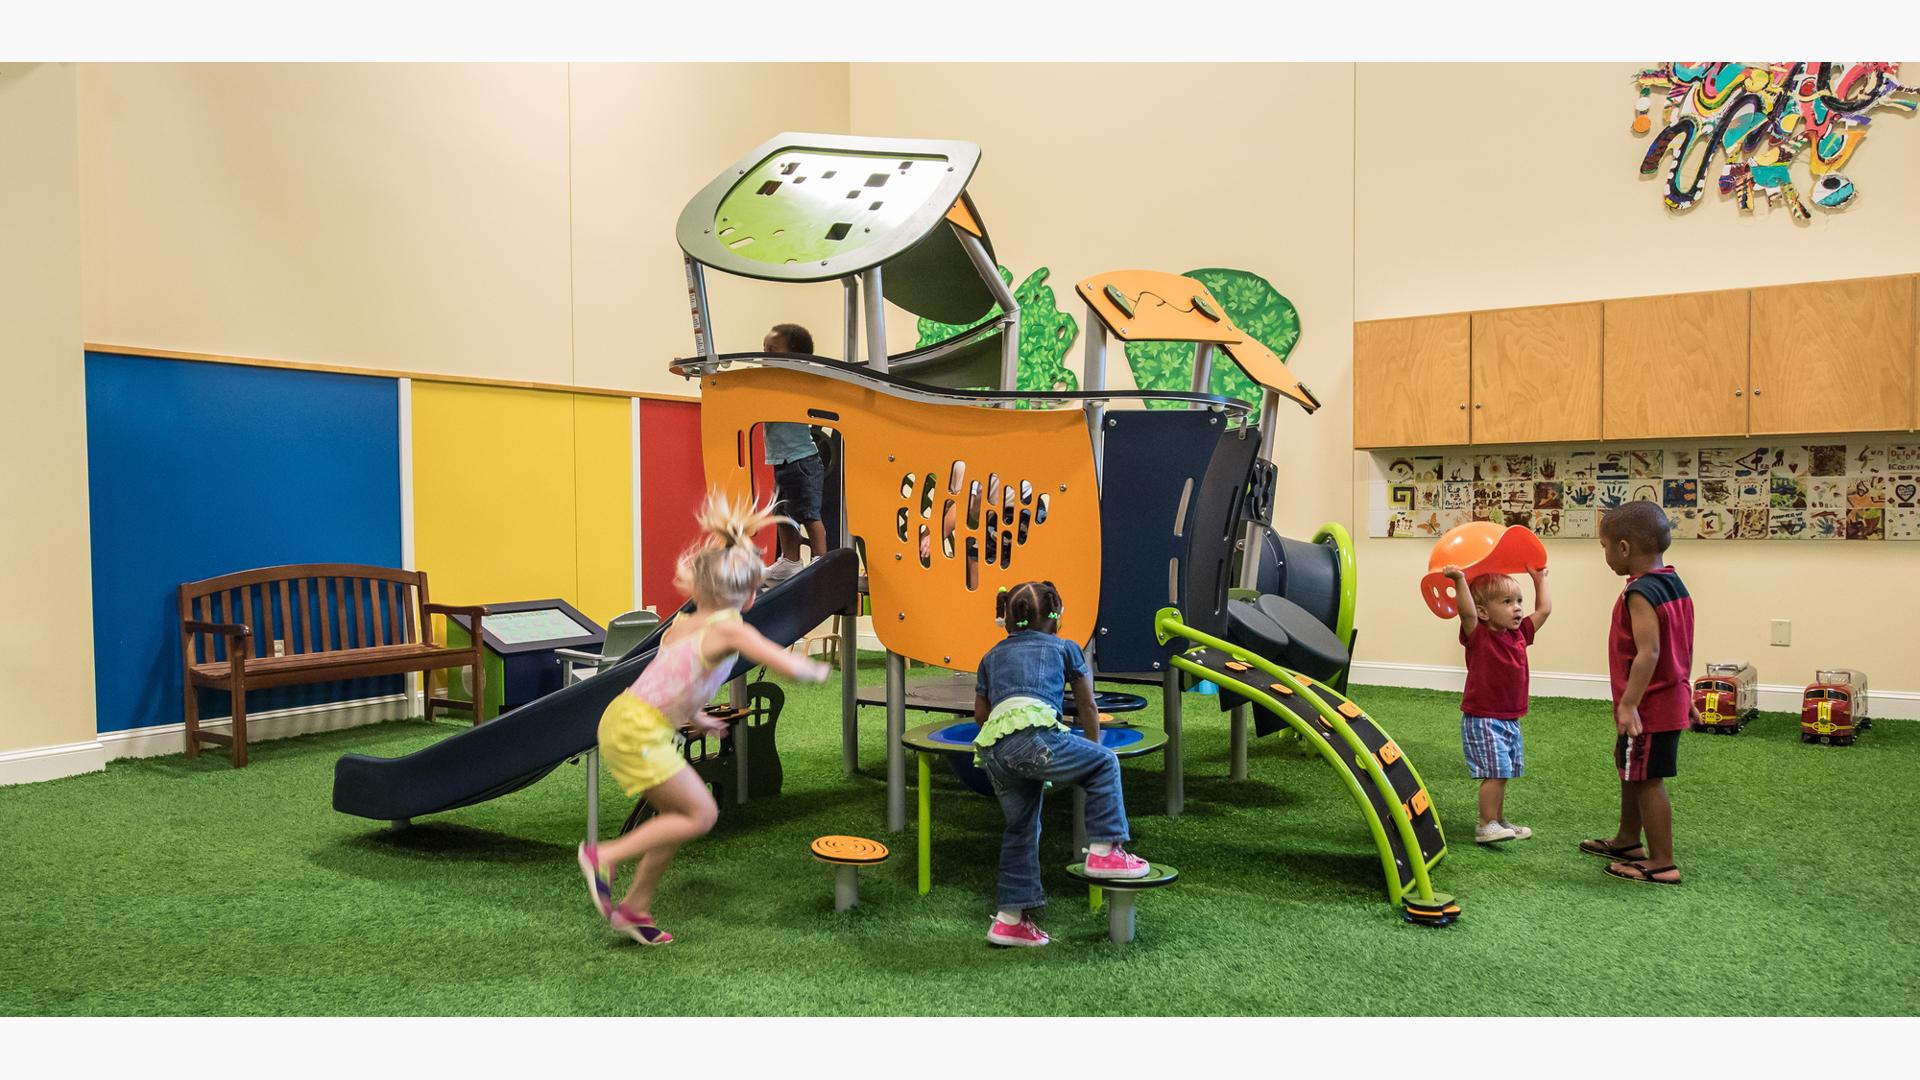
(1287, 634)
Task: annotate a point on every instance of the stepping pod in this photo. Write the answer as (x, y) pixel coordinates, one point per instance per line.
(848, 854)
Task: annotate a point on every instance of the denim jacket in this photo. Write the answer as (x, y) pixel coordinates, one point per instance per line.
(1030, 663)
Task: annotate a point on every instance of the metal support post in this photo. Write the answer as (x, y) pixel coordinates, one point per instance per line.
(850, 299)
(1120, 916)
(1237, 742)
(1202, 366)
(849, 694)
(737, 702)
(875, 302)
(896, 750)
(846, 886)
(1094, 377)
(697, 300)
(1009, 307)
(1175, 764)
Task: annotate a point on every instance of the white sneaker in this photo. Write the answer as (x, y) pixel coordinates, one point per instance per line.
(1520, 832)
(1493, 832)
(781, 570)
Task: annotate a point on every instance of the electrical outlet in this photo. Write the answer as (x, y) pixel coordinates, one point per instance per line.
(279, 646)
(1782, 632)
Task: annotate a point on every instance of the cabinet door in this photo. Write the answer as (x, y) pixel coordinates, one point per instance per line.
(1675, 366)
(1410, 381)
(1536, 374)
(1833, 356)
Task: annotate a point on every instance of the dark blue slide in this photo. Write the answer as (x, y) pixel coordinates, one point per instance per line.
(517, 749)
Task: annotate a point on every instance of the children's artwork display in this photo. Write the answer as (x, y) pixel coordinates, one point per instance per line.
(1865, 490)
(1749, 123)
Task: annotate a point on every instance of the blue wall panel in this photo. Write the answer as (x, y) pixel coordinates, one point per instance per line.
(199, 469)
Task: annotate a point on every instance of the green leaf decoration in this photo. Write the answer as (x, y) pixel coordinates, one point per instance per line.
(1047, 334)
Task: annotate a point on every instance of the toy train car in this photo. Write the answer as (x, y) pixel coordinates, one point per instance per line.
(1834, 708)
(1727, 696)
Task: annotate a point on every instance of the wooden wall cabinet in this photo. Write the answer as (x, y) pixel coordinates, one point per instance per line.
(1813, 359)
(1536, 374)
(1833, 356)
(1411, 381)
(1676, 366)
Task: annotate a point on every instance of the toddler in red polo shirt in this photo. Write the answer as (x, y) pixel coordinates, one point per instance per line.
(1496, 634)
(1649, 653)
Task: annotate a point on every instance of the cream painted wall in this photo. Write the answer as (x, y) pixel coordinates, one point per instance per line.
(1091, 167)
(506, 221)
(46, 651)
(1529, 193)
(646, 137)
(400, 216)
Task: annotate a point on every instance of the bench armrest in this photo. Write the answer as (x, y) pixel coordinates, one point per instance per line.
(472, 611)
(194, 626)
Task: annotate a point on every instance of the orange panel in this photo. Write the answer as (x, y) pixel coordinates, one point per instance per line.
(961, 214)
(1174, 307)
(1164, 307)
(926, 610)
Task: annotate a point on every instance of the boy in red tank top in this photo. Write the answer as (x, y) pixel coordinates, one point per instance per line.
(1496, 634)
(1649, 654)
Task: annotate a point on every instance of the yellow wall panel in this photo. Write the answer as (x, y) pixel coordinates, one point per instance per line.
(493, 501)
(603, 510)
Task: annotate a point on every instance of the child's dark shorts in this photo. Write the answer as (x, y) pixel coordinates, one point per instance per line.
(797, 486)
(1647, 756)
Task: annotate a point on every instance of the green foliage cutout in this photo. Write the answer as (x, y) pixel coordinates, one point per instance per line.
(1046, 334)
(1254, 305)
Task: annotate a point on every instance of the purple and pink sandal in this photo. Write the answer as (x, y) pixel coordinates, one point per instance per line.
(638, 927)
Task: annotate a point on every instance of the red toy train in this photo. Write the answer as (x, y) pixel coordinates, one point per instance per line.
(1834, 708)
(1727, 696)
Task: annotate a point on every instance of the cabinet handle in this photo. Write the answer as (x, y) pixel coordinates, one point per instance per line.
(1756, 391)
(1463, 406)
(1737, 393)
(1479, 404)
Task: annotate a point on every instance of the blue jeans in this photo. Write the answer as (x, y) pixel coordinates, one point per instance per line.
(1018, 765)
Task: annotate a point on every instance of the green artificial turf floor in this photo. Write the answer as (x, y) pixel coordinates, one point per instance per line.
(173, 886)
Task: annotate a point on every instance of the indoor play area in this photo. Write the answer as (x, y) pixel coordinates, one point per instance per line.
(362, 413)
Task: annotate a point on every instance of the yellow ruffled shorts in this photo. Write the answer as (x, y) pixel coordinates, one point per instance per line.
(638, 744)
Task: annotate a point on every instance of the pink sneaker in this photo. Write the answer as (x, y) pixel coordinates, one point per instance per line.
(597, 883)
(638, 927)
(1117, 863)
(1023, 933)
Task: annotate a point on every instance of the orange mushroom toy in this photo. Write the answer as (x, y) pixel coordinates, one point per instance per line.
(1478, 547)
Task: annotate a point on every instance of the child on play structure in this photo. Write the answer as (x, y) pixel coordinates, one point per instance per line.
(1022, 745)
(1496, 635)
(640, 729)
(798, 472)
(1649, 655)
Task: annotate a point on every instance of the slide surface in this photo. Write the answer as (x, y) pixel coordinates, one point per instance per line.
(517, 749)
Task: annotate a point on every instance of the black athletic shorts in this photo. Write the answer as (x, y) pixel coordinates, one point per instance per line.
(796, 486)
(1648, 756)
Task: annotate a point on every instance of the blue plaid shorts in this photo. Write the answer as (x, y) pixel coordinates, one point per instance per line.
(1492, 747)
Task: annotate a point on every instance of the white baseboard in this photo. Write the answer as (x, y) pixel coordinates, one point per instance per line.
(263, 726)
(1885, 704)
(51, 762)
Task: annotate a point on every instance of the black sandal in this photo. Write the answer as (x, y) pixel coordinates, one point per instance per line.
(1643, 873)
(1617, 854)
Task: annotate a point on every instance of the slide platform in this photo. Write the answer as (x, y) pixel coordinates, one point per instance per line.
(519, 748)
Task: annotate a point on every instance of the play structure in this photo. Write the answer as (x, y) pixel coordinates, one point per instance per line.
(524, 745)
(1833, 709)
(1727, 697)
(952, 492)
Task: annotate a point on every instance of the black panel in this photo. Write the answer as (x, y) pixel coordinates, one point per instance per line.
(1212, 565)
(1311, 577)
(1151, 456)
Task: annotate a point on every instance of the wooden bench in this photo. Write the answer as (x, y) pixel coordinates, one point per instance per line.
(319, 622)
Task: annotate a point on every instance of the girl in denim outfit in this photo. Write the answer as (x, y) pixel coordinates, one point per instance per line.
(1023, 744)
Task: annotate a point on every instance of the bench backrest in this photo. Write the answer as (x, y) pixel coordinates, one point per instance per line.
(309, 608)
